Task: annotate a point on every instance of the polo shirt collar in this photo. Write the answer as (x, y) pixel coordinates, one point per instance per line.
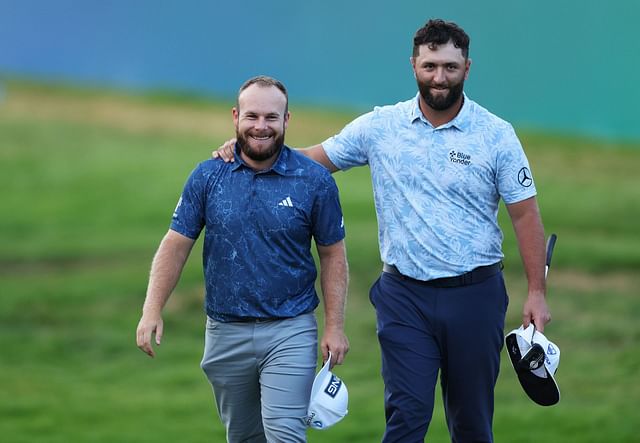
(460, 122)
(279, 166)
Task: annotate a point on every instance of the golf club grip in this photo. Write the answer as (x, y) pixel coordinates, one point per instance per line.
(551, 243)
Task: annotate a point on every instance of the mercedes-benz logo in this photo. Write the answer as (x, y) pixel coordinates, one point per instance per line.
(524, 177)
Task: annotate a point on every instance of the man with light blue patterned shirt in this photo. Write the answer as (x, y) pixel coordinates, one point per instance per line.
(259, 215)
(440, 163)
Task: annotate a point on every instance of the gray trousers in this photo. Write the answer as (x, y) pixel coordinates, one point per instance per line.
(261, 373)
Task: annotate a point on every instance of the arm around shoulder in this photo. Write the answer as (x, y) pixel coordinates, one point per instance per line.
(318, 154)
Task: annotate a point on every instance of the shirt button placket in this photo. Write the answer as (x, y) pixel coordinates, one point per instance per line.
(252, 196)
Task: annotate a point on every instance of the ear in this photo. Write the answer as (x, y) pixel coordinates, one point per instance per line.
(235, 114)
(466, 68)
(413, 65)
(287, 116)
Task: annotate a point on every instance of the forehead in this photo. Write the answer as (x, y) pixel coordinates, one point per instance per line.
(446, 53)
(262, 99)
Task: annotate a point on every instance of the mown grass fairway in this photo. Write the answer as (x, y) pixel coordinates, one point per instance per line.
(89, 182)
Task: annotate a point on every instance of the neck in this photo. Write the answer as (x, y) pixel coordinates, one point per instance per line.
(439, 118)
(259, 165)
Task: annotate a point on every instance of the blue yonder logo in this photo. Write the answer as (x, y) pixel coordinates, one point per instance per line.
(459, 157)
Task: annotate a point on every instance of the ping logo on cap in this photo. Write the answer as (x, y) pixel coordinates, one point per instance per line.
(333, 386)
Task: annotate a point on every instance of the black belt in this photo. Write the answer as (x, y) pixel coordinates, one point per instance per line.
(475, 276)
(255, 319)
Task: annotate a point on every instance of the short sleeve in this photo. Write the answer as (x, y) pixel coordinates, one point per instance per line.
(328, 223)
(514, 177)
(349, 147)
(189, 216)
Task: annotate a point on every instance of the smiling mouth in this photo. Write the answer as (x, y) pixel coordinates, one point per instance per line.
(260, 137)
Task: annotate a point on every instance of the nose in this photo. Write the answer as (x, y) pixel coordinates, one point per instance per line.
(439, 75)
(261, 123)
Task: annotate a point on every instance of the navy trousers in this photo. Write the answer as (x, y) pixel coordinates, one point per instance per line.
(424, 330)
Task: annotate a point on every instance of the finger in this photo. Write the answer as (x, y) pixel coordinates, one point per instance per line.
(527, 318)
(543, 322)
(149, 350)
(144, 342)
(159, 333)
(228, 150)
(139, 338)
(343, 353)
(334, 358)
(325, 353)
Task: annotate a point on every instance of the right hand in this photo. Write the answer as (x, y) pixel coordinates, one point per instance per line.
(225, 152)
(336, 344)
(149, 324)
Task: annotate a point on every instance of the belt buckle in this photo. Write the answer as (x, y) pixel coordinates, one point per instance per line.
(466, 278)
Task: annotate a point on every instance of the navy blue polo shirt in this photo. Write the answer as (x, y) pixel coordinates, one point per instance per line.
(258, 228)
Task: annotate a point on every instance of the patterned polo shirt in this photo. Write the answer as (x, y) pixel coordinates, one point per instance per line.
(258, 229)
(436, 190)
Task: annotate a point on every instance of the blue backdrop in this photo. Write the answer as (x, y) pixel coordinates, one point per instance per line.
(567, 66)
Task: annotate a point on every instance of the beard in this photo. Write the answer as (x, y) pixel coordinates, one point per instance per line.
(259, 154)
(440, 102)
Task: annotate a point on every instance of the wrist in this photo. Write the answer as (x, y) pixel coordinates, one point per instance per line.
(330, 327)
(536, 295)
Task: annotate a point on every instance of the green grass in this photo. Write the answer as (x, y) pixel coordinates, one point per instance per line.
(87, 195)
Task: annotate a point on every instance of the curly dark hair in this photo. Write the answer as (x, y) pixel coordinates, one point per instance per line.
(439, 32)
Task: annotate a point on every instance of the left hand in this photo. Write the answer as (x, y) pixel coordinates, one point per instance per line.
(536, 311)
(336, 342)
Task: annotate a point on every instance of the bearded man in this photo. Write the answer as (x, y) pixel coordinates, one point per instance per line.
(259, 215)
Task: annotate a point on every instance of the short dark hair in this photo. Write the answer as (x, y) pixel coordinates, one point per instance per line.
(264, 81)
(439, 32)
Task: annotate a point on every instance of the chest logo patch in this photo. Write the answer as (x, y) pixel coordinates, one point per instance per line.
(459, 157)
(286, 202)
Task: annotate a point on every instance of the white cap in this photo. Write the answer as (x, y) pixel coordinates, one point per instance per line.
(329, 399)
(535, 360)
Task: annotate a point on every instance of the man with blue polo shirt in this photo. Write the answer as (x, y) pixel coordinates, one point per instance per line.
(440, 163)
(259, 215)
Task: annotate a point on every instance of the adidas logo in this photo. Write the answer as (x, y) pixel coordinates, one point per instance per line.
(286, 202)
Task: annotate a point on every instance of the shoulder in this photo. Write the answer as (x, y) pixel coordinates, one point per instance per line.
(212, 166)
(298, 160)
(208, 170)
(398, 110)
(485, 119)
(382, 119)
(302, 166)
